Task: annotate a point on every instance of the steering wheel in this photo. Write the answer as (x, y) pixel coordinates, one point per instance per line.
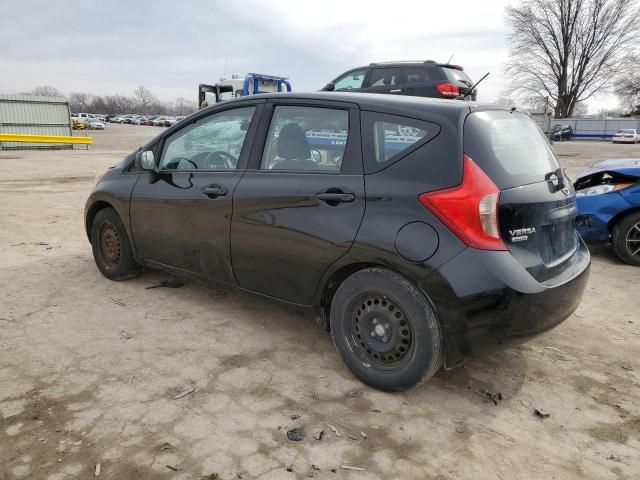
(219, 159)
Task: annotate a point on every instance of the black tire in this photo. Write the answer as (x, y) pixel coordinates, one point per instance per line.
(385, 330)
(111, 248)
(626, 239)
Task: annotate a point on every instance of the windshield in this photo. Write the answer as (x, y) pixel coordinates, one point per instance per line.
(626, 131)
(509, 147)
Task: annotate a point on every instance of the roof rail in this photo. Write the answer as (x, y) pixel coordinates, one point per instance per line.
(270, 77)
(403, 61)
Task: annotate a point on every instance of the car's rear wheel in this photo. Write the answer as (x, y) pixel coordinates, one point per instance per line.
(626, 239)
(385, 330)
(111, 248)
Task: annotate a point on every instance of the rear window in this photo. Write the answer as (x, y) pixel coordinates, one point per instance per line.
(419, 74)
(388, 138)
(509, 147)
(455, 75)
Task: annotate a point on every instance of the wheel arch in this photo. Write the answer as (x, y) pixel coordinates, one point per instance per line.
(334, 279)
(92, 211)
(621, 215)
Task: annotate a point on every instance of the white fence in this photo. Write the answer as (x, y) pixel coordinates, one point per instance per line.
(596, 128)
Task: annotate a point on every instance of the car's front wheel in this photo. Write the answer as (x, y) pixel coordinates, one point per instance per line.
(111, 248)
(385, 330)
(625, 238)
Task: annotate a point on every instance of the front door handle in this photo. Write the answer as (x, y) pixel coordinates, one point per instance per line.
(214, 191)
(333, 198)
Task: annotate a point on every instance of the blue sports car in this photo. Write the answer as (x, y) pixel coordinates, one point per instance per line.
(608, 198)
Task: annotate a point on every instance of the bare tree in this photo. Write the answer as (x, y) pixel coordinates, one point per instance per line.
(145, 97)
(183, 106)
(627, 87)
(581, 110)
(80, 102)
(119, 104)
(569, 50)
(45, 91)
(609, 113)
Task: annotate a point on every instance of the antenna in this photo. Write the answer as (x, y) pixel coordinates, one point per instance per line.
(225, 67)
(450, 58)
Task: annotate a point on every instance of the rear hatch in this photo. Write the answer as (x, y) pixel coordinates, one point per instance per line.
(537, 206)
(457, 77)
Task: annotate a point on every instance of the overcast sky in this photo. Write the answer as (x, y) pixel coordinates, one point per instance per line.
(109, 47)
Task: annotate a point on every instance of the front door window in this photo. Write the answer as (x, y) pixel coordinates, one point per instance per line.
(211, 143)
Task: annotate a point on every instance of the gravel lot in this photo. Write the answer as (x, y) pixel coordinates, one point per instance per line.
(90, 370)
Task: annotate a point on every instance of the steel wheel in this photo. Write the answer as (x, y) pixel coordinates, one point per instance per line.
(632, 241)
(110, 245)
(381, 333)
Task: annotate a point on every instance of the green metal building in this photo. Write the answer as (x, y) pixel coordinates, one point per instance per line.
(33, 115)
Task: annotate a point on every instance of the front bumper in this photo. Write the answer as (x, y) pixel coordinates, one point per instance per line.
(490, 301)
(595, 212)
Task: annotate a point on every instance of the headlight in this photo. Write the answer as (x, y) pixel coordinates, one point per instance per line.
(600, 189)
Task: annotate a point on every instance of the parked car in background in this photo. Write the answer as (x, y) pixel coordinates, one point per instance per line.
(608, 199)
(561, 132)
(421, 79)
(78, 124)
(159, 121)
(626, 135)
(96, 124)
(280, 194)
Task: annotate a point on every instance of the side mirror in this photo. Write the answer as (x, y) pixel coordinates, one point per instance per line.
(146, 160)
(329, 87)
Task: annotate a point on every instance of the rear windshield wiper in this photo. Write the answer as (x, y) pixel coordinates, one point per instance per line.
(559, 176)
(470, 90)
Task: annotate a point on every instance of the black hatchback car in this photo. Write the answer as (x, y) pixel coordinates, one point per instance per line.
(416, 78)
(420, 231)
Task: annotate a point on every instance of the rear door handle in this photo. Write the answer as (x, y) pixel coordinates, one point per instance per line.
(336, 197)
(214, 191)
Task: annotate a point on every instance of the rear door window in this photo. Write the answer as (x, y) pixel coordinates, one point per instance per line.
(383, 77)
(509, 147)
(305, 138)
(388, 138)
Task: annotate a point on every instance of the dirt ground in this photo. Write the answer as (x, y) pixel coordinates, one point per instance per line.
(92, 371)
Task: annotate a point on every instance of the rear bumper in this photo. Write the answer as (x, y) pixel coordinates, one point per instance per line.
(488, 301)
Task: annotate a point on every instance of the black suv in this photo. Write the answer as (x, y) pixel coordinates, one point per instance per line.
(420, 231)
(420, 79)
(561, 132)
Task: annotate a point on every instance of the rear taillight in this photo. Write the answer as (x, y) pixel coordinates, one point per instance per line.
(449, 90)
(470, 210)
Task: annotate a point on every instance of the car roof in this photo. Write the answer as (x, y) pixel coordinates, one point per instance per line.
(393, 104)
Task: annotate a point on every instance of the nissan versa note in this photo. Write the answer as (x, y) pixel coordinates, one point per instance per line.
(421, 231)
